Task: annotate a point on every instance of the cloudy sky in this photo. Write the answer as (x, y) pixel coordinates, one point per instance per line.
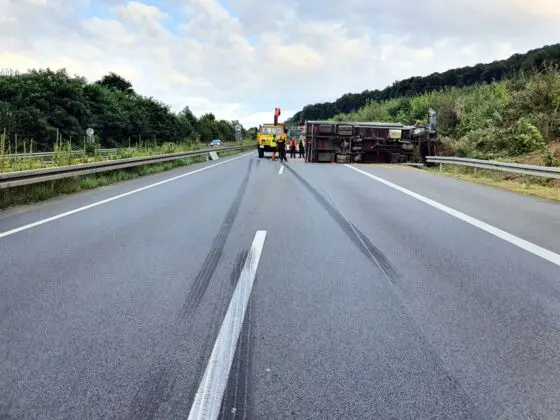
(241, 58)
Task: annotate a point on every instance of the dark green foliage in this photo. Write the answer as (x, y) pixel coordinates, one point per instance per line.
(36, 104)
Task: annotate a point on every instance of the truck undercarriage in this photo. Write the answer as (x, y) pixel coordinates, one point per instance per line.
(368, 142)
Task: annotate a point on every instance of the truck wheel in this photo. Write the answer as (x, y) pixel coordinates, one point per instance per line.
(261, 153)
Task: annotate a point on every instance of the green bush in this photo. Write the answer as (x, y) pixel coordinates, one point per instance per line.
(550, 159)
(526, 138)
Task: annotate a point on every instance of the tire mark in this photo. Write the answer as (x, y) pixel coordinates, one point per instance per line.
(154, 391)
(157, 395)
(195, 296)
(218, 312)
(380, 259)
(202, 280)
(383, 263)
(236, 404)
(363, 243)
(238, 267)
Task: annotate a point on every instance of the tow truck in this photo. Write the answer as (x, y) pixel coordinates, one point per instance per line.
(266, 133)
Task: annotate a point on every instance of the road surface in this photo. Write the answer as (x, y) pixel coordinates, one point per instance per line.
(355, 294)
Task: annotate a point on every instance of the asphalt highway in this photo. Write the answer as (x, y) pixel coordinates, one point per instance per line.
(256, 290)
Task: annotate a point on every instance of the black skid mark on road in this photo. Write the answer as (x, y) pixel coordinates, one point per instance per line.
(237, 404)
(156, 397)
(363, 243)
(380, 259)
(218, 313)
(154, 392)
(238, 267)
(210, 264)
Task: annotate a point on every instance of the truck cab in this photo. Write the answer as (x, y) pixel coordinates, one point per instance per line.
(265, 135)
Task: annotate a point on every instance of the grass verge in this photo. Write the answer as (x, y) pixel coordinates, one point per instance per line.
(65, 155)
(535, 186)
(39, 192)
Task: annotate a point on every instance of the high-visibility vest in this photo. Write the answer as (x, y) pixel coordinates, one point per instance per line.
(273, 143)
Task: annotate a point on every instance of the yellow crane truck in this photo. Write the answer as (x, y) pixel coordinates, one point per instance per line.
(266, 133)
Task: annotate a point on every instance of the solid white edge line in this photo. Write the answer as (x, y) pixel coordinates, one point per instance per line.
(98, 203)
(508, 237)
(281, 170)
(210, 393)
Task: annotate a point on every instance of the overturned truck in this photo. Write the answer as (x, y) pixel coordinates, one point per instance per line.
(369, 142)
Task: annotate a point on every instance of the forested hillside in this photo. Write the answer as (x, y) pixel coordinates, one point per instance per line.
(37, 105)
(503, 119)
(531, 62)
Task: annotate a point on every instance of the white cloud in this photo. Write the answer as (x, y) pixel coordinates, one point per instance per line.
(243, 58)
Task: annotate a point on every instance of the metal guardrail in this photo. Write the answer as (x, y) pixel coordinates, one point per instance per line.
(530, 170)
(38, 155)
(35, 176)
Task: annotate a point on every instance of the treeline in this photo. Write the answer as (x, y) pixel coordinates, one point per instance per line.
(530, 62)
(42, 105)
(494, 120)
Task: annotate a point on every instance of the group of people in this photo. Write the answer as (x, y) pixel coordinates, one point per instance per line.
(280, 146)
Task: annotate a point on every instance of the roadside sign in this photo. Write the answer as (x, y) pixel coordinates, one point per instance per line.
(89, 133)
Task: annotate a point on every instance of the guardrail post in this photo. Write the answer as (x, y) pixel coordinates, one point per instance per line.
(526, 181)
(441, 167)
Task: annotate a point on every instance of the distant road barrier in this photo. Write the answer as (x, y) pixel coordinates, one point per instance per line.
(39, 155)
(529, 170)
(35, 176)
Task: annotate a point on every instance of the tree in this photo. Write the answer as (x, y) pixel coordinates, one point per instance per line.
(41, 103)
(115, 82)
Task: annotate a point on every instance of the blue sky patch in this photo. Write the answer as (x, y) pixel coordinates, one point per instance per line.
(230, 10)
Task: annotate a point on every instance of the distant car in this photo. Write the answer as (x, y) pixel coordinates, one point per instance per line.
(215, 142)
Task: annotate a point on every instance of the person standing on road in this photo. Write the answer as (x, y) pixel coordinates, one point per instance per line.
(282, 149)
(273, 147)
(301, 148)
(293, 148)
